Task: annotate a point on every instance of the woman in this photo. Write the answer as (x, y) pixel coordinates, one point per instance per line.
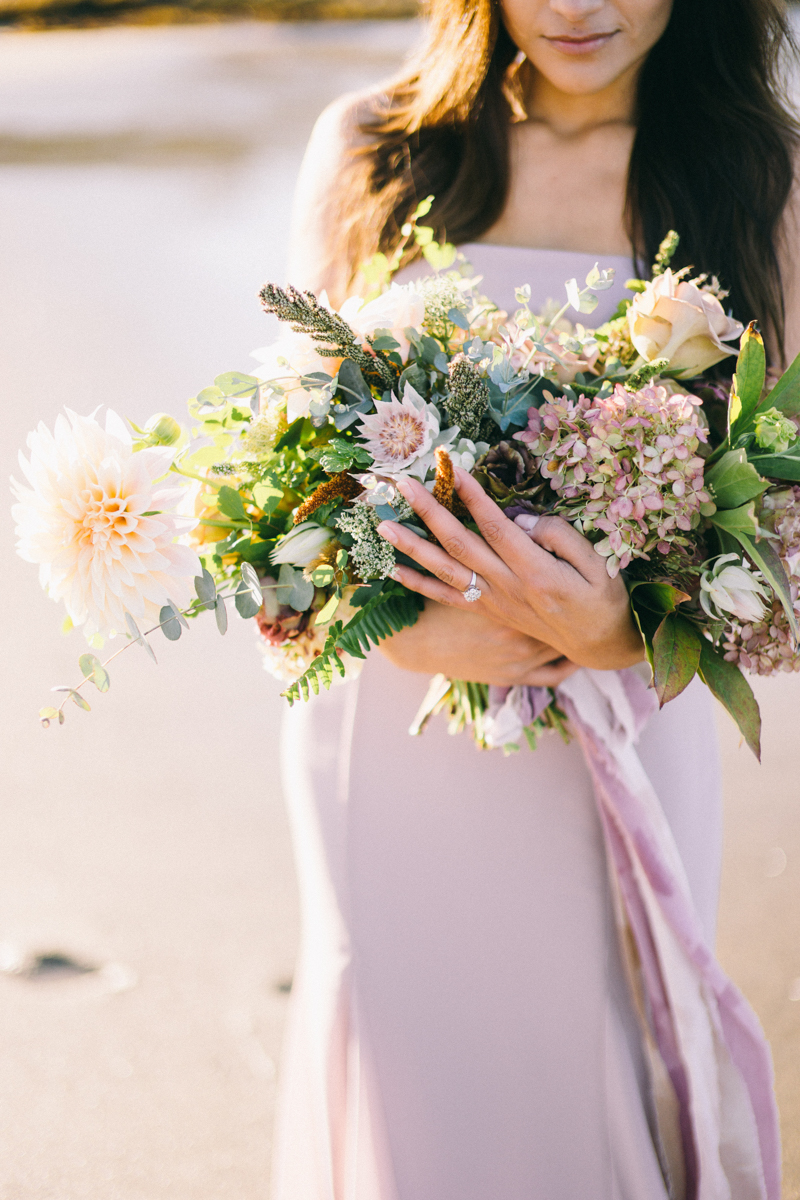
(462, 1026)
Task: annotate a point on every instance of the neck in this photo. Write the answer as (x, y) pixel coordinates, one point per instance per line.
(570, 115)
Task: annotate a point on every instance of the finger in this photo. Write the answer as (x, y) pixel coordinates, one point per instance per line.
(508, 541)
(552, 674)
(458, 541)
(455, 574)
(434, 589)
(558, 537)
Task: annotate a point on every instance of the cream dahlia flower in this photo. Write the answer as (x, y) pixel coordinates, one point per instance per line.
(96, 519)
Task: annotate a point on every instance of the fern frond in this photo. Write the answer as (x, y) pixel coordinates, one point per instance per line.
(383, 615)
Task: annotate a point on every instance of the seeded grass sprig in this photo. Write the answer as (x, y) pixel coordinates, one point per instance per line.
(338, 340)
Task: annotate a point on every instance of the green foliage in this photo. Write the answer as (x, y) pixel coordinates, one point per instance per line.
(294, 589)
(170, 623)
(136, 635)
(650, 604)
(733, 691)
(737, 520)
(762, 554)
(779, 466)
(221, 615)
(385, 613)
(46, 715)
(785, 396)
(748, 382)
(206, 588)
(665, 253)
(75, 697)
(335, 337)
(93, 669)
(732, 480)
(230, 504)
(676, 656)
(339, 454)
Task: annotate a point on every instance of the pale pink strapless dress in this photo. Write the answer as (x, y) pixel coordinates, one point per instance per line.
(460, 1025)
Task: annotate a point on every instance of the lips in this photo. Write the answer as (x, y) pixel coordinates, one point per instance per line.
(589, 43)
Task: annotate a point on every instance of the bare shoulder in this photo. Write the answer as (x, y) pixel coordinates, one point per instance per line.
(337, 133)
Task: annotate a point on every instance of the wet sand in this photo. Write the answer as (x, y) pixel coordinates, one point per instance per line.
(145, 179)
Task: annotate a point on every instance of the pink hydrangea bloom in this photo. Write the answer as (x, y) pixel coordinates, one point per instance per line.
(625, 466)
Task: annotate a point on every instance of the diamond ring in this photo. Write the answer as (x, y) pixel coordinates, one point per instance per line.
(472, 592)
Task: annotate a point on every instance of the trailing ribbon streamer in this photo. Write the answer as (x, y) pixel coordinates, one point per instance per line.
(708, 1037)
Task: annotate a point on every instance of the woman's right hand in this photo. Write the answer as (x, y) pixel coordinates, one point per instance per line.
(471, 646)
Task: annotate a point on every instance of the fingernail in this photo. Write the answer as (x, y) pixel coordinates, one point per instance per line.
(388, 530)
(395, 574)
(527, 521)
(404, 488)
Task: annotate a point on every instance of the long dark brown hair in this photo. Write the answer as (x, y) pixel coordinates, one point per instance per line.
(713, 154)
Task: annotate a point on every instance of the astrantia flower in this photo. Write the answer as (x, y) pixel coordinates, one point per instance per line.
(400, 431)
(96, 519)
(625, 465)
(730, 586)
(683, 322)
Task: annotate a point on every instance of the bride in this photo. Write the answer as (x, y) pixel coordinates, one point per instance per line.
(462, 1026)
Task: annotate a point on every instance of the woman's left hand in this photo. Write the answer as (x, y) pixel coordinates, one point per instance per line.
(550, 584)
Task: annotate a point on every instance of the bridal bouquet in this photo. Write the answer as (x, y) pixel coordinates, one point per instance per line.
(686, 483)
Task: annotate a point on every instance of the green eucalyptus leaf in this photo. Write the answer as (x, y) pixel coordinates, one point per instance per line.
(211, 395)
(137, 636)
(234, 383)
(733, 480)
(302, 593)
(352, 381)
(46, 715)
(252, 582)
(221, 615)
(75, 697)
(93, 669)
(230, 504)
(733, 691)
(170, 625)
(323, 575)
(676, 656)
(246, 604)
(206, 588)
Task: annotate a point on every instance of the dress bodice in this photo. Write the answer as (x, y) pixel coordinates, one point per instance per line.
(505, 268)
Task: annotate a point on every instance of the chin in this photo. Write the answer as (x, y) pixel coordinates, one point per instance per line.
(584, 76)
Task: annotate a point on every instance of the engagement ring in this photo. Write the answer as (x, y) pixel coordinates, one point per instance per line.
(472, 592)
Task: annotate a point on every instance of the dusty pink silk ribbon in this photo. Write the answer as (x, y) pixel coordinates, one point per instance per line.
(708, 1038)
